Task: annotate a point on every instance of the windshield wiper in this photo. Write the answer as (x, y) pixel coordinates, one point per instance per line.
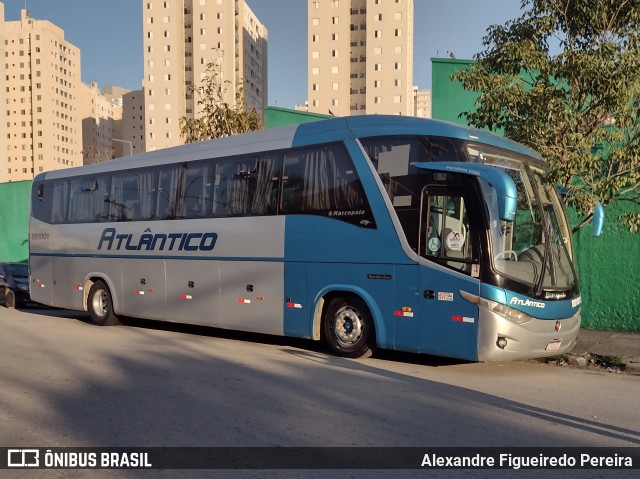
(546, 228)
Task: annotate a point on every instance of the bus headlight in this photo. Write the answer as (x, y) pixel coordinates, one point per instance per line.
(505, 311)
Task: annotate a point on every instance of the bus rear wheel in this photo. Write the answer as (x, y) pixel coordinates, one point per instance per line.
(100, 305)
(348, 328)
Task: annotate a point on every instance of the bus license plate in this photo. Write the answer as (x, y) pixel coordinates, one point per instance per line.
(553, 345)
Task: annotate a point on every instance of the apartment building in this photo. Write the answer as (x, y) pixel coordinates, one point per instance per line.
(41, 123)
(360, 57)
(133, 122)
(180, 39)
(100, 123)
(422, 103)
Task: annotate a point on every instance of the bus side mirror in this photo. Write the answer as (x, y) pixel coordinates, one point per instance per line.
(597, 222)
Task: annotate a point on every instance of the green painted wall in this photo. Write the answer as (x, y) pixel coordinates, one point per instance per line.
(14, 221)
(275, 117)
(608, 266)
(609, 270)
(448, 98)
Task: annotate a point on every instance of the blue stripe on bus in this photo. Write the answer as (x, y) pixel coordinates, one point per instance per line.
(140, 256)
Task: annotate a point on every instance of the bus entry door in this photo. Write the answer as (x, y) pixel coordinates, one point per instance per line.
(449, 268)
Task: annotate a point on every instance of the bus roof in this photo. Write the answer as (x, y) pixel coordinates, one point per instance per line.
(333, 129)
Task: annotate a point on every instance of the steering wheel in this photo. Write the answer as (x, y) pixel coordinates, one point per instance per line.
(506, 252)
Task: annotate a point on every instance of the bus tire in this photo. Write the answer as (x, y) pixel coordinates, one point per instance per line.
(9, 298)
(348, 328)
(100, 305)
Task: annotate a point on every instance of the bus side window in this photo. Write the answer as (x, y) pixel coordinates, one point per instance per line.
(169, 186)
(40, 208)
(231, 186)
(319, 180)
(87, 195)
(293, 183)
(197, 190)
(264, 186)
(60, 201)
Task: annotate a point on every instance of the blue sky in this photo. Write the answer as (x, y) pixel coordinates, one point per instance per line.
(109, 35)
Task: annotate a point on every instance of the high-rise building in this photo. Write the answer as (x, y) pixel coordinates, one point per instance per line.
(133, 122)
(360, 57)
(422, 103)
(40, 81)
(181, 38)
(101, 120)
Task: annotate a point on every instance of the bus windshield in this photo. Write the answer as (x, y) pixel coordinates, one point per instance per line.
(535, 248)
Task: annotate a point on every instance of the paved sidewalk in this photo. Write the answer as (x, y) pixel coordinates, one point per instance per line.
(622, 346)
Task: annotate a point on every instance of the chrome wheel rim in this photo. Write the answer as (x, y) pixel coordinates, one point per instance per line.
(100, 302)
(348, 326)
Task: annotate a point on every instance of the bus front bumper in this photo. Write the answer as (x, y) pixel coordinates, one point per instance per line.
(500, 339)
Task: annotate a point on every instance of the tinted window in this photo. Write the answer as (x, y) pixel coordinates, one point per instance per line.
(322, 180)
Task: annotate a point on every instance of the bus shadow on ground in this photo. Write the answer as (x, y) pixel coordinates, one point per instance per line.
(249, 337)
(300, 343)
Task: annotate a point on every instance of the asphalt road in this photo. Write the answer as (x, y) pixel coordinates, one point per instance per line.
(64, 382)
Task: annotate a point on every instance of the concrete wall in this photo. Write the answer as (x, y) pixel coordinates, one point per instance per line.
(608, 266)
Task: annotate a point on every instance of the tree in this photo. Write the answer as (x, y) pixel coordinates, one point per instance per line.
(94, 155)
(579, 107)
(219, 117)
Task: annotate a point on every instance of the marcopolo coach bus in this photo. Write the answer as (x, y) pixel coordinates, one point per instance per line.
(365, 232)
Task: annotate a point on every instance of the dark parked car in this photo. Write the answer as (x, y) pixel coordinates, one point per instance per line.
(14, 284)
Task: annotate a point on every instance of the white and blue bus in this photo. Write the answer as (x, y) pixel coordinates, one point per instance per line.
(365, 232)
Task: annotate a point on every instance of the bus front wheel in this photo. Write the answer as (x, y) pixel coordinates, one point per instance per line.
(9, 298)
(100, 305)
(348, 328)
